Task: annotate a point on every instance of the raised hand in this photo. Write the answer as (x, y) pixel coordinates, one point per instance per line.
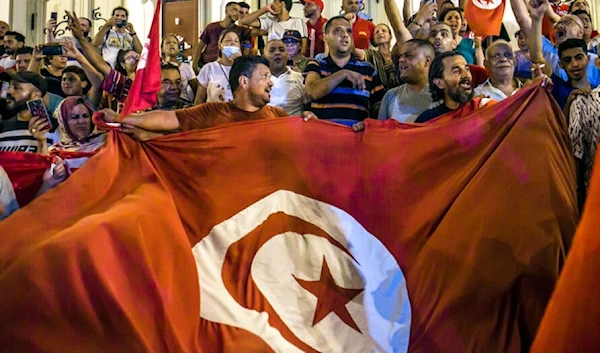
(39, 127)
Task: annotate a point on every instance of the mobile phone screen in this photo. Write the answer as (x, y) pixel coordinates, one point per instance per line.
(53, 15)
(37, 108)
(52, 50)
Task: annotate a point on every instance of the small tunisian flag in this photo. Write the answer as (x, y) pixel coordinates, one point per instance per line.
(142, 94)
(485, 16)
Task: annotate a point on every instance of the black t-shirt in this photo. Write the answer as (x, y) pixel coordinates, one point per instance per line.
(433, 113)
(2, 50)
(53, 83)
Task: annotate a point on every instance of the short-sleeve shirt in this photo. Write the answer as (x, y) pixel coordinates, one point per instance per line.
(210, 38)
(362, 32)
(275, 29)
(584, 129)
(187, 74)
(466, 48)
(117, 85)
(215, 78)
(287, 92)
(403, 104)
(316, 45)
(344, 101)
(207, 115)
(15, 137)
(561, 90)
(550, 53)
(113, 42)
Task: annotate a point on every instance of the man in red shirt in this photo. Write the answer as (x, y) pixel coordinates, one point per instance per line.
(315, 24)
(362, 30)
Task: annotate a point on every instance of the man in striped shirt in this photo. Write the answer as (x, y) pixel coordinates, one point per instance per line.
(341, 87)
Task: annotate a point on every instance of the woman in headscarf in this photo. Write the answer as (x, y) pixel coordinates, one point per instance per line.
(77, 134)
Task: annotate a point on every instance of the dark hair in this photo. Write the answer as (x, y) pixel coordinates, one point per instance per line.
(88, 20)
(517, 33)
(436, 70)
(231, 3)
(82, 76)
(573, 3)
(447, 11)
(18, 36)
(162, 41)
(244, 66)
(120, 8)
(224, 33)
(120, 58)
(423, 44)
(330, 21)
(244, 5)
(288, 5)
(169, 66)
(572, 43)
(25, 50)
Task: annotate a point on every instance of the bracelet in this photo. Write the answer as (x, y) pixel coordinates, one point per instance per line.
(417, 23)
(132, 34)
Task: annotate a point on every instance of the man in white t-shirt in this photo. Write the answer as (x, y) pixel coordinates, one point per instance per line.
(12, 42)
(277, 21)
(117, 34)
(287, 92)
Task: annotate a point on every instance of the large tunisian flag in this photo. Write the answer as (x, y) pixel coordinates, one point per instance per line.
(485, 16)
(292, 236)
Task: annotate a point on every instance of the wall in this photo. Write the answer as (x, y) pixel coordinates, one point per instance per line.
(5, 11)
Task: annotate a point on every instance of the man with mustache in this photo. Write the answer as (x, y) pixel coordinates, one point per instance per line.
(500, 61)
(450, 80)
(12, 42)
(314, 25)
(169, 95)
(4, 27)
(14, 133)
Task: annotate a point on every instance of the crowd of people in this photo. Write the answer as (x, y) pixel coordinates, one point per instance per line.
(267, 64)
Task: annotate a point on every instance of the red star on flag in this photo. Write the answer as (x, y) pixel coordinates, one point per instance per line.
(330, 296)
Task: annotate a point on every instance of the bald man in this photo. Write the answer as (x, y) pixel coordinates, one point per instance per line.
(500, 61)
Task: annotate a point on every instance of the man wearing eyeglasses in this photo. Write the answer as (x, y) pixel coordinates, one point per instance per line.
(500, 61)
(568, 27)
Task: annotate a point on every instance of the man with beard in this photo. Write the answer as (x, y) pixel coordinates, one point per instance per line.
(500, 61)
(340, 87)
(250, 80)
(450, 80)
(287, 92)
(12, 42)
(314, 25)
(14, 133)
(208, 50)
(169, 95)
(4, 27)
(23, 58)
(569, 26)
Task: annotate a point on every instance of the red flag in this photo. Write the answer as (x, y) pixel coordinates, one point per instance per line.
(485, 16)
(146, 84)
(572, 321)
(315, 239)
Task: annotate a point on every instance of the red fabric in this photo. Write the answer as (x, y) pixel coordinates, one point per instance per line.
(485, 16)
(318, 28)
(478, 75)
(362, 32)
(476, 211)
(142, 95)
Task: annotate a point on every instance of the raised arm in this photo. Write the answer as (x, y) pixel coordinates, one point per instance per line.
(393, 14)
(137, 46)
(523, 19)
(551, 15)
(99, 37)
(88, 48)
(95, 92)
(252, 20)
(50, 26)
(534, 38)
(157, 120)
(36, 59)
(425, 13)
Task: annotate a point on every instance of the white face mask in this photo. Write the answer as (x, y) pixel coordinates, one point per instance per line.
(228, 51)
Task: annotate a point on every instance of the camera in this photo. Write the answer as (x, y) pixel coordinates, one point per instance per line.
(122, 23)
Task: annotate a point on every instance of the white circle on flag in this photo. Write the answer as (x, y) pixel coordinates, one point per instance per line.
(487, 4)
(359, 262)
